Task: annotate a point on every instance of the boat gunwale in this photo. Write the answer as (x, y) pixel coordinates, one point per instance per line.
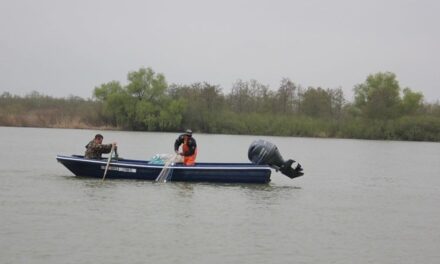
(198, 166)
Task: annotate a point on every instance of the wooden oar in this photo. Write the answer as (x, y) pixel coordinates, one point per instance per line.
(108, 162)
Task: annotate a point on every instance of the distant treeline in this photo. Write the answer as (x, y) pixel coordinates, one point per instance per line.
(37, 110)
(381, 109)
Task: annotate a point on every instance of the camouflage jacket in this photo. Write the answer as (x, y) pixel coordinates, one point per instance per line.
(94, 150)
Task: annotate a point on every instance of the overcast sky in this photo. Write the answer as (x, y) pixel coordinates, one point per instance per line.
(63, 48)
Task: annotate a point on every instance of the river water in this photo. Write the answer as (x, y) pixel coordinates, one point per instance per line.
(359, 202)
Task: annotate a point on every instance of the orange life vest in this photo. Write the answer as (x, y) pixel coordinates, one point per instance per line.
(188, 160)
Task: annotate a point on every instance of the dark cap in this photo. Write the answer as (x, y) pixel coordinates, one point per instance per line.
(188, 132)
(98, 136)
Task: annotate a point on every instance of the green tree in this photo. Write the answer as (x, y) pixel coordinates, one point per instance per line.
(317, 102)
(263, 99)
(240, 98)
(286, 96)
(412, 102)
(120, 107)
(145, 84)
(140, 104)
(116, 104)
(102, 92)
(337, 102)
(378, 97)
(203, 105)
(171, 116)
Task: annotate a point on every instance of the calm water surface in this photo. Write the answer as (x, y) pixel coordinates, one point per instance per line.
(359, 202)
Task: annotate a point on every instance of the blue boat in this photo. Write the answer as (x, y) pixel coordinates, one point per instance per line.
(145, 170)
(263, 155)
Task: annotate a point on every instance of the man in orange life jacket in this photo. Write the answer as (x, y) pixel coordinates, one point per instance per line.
(189, 147)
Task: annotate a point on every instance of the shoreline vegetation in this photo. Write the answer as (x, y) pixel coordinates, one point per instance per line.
(381, 109)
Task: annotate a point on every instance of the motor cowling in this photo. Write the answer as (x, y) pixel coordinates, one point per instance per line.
(262, 152)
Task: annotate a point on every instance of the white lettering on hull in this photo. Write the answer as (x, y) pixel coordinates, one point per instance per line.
(114, 168)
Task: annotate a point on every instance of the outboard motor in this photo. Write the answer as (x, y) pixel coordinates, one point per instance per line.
(262, 152)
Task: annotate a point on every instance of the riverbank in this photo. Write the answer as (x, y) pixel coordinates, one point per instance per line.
(33, 120)
(77, 113)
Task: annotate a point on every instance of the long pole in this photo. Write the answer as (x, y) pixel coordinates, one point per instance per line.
(108, 162)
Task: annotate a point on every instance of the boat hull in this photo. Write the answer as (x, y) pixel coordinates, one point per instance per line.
(144, 170)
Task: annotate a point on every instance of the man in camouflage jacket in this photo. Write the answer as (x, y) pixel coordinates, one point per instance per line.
(95, 148)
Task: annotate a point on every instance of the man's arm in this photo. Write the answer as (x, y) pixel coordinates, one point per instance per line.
(177, 144)
(103, 148)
